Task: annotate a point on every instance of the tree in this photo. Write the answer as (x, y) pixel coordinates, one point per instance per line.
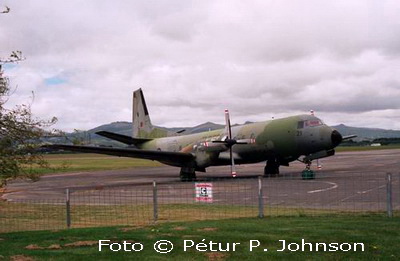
(20, 132)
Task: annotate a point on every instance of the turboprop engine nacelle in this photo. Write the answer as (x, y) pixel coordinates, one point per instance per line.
(207, 152)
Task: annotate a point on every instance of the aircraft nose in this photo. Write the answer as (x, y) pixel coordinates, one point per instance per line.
(336, 138)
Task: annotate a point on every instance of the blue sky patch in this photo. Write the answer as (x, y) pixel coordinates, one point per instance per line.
(9, 66)
(56, 80)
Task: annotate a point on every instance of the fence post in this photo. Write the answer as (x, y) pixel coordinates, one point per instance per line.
(260, 198)
(389, 203)
(155, 201)
(68, 207)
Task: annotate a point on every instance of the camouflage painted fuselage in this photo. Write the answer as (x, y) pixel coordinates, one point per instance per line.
(278, 142)
(284, 139)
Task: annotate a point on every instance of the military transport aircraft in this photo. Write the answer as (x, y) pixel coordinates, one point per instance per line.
(278, 142)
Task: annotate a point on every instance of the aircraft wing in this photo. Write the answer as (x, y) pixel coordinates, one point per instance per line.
(122, 138)
(173, 158)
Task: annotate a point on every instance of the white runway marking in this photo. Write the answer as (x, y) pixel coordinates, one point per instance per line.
(362, 192)
(369, 190)
(334, 185)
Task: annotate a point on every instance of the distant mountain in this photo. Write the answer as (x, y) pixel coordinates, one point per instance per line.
(121, 127)
(367, 133)
(125, 128)
(204, 127)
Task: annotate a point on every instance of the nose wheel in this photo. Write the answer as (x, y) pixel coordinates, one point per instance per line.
(307, 173)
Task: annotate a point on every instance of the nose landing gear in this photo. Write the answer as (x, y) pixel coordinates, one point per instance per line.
(307, 173)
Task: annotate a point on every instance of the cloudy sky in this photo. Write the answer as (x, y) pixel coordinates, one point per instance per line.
(193, 59)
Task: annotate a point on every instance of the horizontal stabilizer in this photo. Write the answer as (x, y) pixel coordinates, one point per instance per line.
(173, 158)
(122, 138)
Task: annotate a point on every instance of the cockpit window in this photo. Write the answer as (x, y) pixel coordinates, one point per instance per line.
(309, 123)
(312, 123)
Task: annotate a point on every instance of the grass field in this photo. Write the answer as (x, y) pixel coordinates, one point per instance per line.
(379, 235)
(365, 148)
(51, 214)
(60, 163)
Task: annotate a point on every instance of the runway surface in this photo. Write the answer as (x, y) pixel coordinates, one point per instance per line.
(347, 180)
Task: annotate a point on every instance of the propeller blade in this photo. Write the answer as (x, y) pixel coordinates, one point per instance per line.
(228, 129)
(219, 141)
(229, 141)
(246, 141)
(233, 170)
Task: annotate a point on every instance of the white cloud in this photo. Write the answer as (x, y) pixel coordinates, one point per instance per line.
(195, 58)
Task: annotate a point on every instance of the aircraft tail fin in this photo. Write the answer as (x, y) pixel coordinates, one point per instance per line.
(141, 123)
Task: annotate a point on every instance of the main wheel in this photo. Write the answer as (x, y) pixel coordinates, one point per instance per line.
(272, 168)
(187, 174)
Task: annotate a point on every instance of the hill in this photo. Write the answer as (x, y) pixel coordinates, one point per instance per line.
(125, 128)
(367, 133)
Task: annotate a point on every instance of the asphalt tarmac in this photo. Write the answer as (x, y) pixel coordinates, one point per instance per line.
(348, 180)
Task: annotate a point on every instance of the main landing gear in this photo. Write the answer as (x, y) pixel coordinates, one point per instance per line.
(187, 174)
(272, 168)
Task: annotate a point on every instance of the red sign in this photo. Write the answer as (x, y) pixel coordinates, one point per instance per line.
(204, 192)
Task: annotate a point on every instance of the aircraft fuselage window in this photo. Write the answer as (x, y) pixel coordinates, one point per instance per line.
(300, 124)
(312, 123)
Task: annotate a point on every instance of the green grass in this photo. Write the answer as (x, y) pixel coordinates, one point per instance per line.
(366, 148)
(379, 235)
(36, 215)
(61, 163)
(40, 216)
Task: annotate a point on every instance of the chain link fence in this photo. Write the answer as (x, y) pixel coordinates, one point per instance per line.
(287, 195)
